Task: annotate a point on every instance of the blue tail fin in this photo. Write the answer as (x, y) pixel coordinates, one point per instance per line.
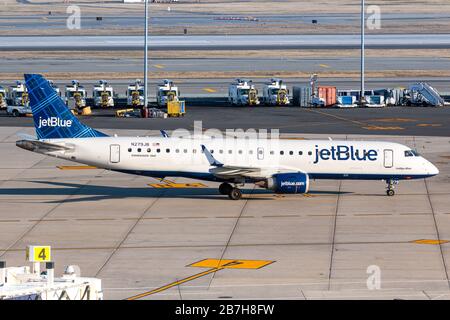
(52, 118)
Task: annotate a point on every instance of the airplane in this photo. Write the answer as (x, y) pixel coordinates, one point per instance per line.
(279, 165)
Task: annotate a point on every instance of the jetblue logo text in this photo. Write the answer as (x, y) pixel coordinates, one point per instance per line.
(54, 122)
(292, 183)
(345, 153)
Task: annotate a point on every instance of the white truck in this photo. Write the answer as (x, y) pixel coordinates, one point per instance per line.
(243, 93)
(166, 92)
(103, 95)
(275, 93)
(55, 87)
(18, 94)
(135, 94)
(75, 95)
(374, 100)
(3, 103)
(20, 104)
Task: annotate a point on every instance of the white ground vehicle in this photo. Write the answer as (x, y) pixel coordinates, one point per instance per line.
(3, 103)
(18, 95)
(243, 93)
(18, 111)
(75, 95)
(103, 95)
(373, 100)
(275, 93)
(166, 92)
(135, 94)
(54, 86)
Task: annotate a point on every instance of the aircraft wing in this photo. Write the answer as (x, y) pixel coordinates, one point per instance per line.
(41, 146)
(224, 171)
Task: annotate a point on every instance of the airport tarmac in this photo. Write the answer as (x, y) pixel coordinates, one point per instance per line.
(411, 121)
(192, 243)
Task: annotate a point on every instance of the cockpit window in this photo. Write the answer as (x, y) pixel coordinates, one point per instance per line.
(411, 153)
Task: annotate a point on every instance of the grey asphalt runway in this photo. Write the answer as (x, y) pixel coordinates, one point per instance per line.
(218, 42)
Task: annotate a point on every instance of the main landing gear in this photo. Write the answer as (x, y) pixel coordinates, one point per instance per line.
(232, 192)
(390, 187)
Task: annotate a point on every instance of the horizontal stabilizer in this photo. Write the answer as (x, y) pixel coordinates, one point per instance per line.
(41, 146)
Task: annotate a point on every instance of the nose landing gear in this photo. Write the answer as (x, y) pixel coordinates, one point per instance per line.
(390, 187)
(232, 192)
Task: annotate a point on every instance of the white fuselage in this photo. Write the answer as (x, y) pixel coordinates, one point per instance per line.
(320, 159)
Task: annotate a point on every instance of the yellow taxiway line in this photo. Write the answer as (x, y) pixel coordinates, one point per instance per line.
(215, 264)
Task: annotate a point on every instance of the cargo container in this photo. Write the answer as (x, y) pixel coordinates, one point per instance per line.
(302, 96)
(327, 95)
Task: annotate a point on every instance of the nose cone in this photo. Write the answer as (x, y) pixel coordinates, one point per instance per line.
(432, 170)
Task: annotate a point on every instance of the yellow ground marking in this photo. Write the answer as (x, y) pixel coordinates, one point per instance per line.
(170, 184)
(429, 125)
(359, 123)
(210, 90)
(298, 138)
(394, 120)
(159, 66)
(430, 241)
(76, 167)
(231, 264)
(382, 128)
(324, 65)
(207, 263)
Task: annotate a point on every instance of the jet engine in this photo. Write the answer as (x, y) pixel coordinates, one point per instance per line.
(287, 183)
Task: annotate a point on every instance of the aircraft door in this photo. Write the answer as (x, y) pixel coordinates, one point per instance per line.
(388, 158)
(114, 155)
(260, 153)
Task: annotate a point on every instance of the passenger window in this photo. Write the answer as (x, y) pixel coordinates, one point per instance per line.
(212, 151)
(177, 150)
(250, 152)
(158, 150)
(300, 153)
(272, 152)
(185, 150)
(220, 151)
(230, 151)
(240, 151)
(129, 149)
(281, 152)
(310, 153)
(291, 152)
(149, 150)
(139, 150)
(167, 150)
(194, 150)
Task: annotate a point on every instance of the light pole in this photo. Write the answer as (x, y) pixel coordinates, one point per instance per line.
(363, 22)
(146, 57)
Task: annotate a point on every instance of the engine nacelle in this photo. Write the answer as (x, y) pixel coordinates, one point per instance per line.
(288, 183)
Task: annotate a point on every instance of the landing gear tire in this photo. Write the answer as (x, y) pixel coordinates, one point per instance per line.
(390, 187)
(225, 188)
(235, 194)
(390, 192)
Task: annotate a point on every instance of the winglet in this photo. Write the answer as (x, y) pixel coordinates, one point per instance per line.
(212, 161)
(164, 134)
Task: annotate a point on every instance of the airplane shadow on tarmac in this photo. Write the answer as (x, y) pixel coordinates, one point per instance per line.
(91, 192)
